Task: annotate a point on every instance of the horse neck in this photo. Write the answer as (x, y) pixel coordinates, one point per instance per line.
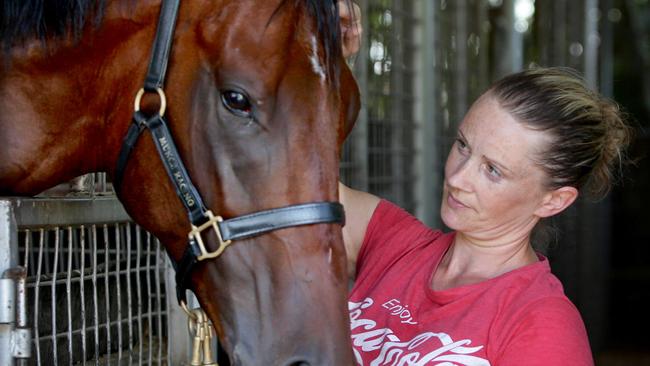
(64, 111)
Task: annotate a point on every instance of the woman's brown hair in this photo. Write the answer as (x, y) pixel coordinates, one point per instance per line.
(588, 134)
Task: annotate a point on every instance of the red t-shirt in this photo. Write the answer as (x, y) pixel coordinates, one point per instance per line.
(521, 318)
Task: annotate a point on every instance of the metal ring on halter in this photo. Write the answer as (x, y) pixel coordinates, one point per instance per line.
(187, 311)
(161, 95)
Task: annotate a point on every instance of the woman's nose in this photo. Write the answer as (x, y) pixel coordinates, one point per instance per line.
(459, 174)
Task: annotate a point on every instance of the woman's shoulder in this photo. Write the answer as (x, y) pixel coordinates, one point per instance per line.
(551, 328)
(394, 234)
(552, 307)
(389, 220)
(387, 211)
(541, 321)
(532, 294)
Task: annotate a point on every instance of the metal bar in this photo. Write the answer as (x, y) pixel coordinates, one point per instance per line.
(8, 238)
(606, 76)
(560, 20)
(28, 251)
(7, 320)
(118, 245)
(460, 70)
(40, 212)
(149, 295)
(69, 295)
(103, 186)
(8, 304)
(48, 251)
(57, 235)
(129, 290)
(21, 296)
(397, 163)
(158, 302)
(8, 260)
(37, 289)
(591, 42)
(138, 255)
(427, 158)
(95, 298)
(82, 270)
(107, 297)
(21, 333)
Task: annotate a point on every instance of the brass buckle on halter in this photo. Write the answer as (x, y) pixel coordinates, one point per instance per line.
(196, 235)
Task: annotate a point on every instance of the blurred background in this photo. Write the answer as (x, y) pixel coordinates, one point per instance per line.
(422, 64)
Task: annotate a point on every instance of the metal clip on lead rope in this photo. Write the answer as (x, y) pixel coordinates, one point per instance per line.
(201, 332)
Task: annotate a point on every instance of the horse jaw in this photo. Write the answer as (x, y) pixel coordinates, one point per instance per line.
(288, 294)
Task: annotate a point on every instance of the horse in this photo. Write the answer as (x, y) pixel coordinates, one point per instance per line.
(248, 108)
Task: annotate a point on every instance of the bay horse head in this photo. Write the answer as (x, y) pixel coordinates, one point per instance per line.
(257, 101)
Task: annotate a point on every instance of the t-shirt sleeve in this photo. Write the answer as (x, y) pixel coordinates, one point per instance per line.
(551, 333)
(390, 234)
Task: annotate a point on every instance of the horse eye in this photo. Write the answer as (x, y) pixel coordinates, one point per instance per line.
(237, 103)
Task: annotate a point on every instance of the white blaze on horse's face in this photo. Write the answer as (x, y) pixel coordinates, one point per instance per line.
(315, 60)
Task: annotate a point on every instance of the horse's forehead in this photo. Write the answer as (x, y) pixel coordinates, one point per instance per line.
(253, 35)
(262, 26)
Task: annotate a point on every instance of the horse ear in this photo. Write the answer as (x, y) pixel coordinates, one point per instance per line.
(350, 102)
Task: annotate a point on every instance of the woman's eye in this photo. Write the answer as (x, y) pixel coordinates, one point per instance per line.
(493, 171)
(237, 103)
(461, 144)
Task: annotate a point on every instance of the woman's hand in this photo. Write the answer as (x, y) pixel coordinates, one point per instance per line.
(351, 28)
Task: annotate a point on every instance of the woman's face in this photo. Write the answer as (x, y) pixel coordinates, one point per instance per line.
(492, 186)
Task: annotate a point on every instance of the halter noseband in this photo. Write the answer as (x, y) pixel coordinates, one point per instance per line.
(202, 219)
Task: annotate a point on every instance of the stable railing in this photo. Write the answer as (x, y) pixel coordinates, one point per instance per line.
(81, 284)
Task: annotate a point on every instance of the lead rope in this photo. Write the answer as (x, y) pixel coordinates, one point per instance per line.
(201, 333)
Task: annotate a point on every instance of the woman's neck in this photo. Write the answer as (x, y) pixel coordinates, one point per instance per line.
(469, 261)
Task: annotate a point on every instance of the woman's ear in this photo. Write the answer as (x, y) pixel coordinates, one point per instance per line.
(556, 201)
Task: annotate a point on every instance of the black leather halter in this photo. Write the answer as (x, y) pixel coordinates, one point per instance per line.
(201, 218)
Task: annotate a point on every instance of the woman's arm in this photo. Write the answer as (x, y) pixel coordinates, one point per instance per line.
(359, 207)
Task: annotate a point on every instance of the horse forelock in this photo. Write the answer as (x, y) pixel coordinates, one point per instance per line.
(24, 20)
(326, 18)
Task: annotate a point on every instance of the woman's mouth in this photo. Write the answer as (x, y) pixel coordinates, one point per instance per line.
(453, 202)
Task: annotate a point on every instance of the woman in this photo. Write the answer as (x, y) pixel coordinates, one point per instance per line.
(480, 295)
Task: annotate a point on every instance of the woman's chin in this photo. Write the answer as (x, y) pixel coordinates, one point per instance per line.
(449, 218)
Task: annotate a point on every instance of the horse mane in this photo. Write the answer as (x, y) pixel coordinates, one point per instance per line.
(326, 15)
(23, 20)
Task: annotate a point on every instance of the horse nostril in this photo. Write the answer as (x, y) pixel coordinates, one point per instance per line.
(300, 363)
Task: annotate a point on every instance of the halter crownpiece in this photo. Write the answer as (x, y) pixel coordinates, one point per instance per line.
(201, 219)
